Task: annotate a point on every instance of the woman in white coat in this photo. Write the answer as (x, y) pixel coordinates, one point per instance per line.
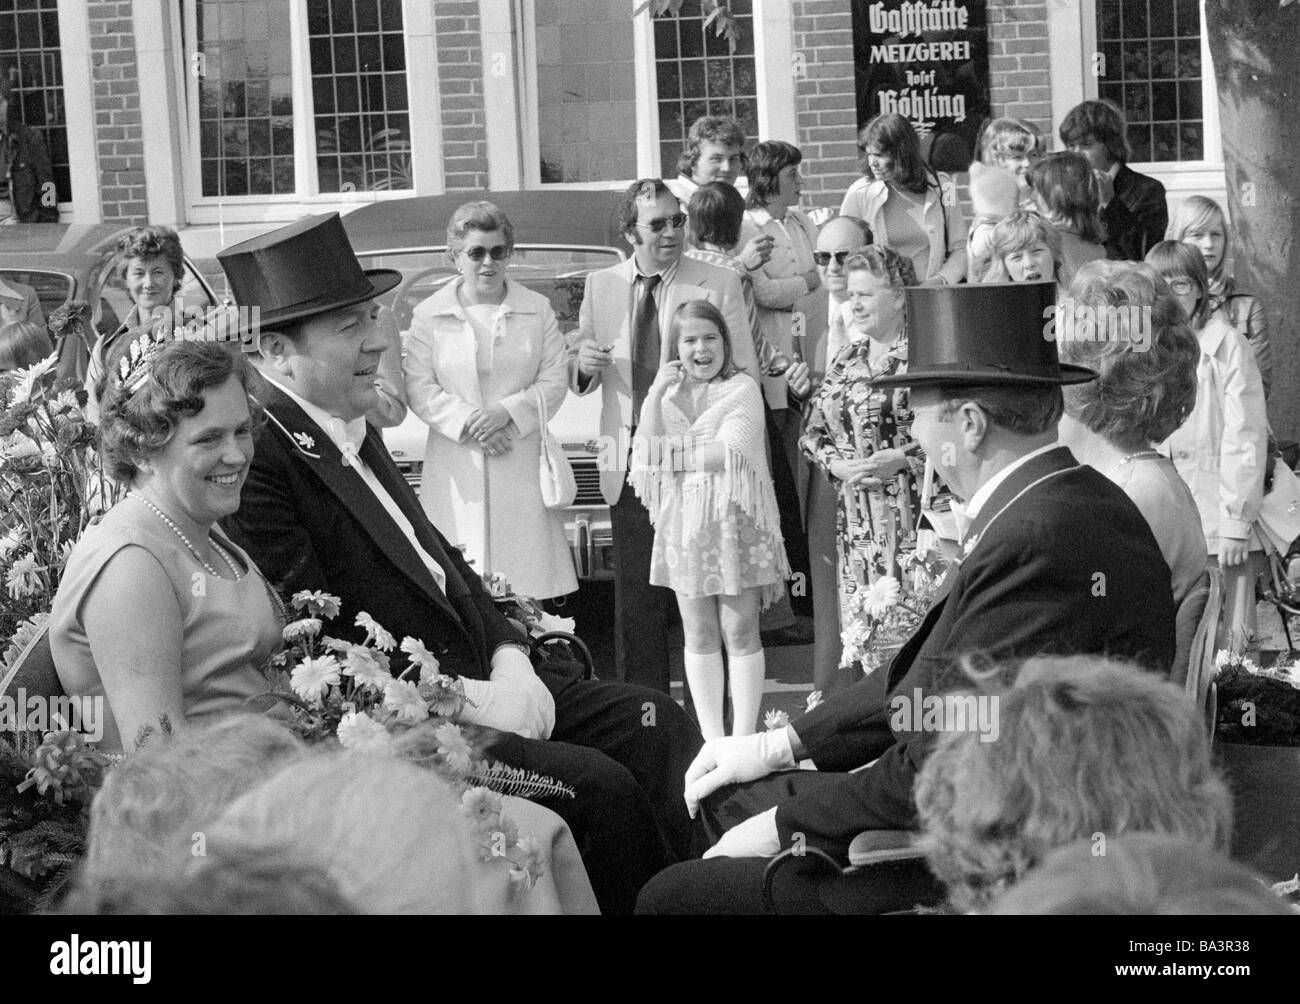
(480, 352)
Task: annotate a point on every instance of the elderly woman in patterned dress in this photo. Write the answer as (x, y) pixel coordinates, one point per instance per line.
(858, 437)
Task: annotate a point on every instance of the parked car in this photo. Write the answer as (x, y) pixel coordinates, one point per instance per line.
(67, 262)
(561, 237)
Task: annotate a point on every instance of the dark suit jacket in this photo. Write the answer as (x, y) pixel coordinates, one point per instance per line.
(1028, 586)
(311, 523)
(1136, 217)
(29, 172)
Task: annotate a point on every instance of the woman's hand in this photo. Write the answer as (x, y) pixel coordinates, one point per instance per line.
(798, 379)
(497, 443)
(1232, 552)
(670, 374)
(487, 422)
(887, 463)
(851, 472)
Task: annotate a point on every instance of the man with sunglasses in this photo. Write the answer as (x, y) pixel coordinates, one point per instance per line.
(619, 349)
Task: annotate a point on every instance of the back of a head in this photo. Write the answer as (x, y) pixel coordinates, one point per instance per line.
(1086, 746)
(143, 820)
(1140, 874)
(390, 834)
(23, 344)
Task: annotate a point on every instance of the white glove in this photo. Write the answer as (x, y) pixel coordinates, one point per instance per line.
(734, 759)
(514, 700)
(756, 837)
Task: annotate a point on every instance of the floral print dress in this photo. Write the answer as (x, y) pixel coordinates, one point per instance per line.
(848, 419)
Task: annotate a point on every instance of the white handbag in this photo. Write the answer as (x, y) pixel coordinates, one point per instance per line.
(1279, 513)
(559, 488)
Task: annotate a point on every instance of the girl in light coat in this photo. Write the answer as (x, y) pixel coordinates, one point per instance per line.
(480, 352)
(1221, 449)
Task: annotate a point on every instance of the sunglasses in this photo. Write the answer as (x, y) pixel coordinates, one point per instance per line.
(498, 253)
(823, 258)
(676, 221)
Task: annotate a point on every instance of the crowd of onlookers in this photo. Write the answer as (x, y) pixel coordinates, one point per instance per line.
(758, 356)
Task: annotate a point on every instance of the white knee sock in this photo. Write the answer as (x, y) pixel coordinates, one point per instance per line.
(746, 673)
(705, 677)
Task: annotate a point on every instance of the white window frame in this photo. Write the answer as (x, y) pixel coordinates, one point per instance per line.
(1072, 41)
(510, 111)
(426, 129)
(79, 112)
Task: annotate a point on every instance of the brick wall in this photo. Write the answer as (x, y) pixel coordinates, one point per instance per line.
(119, 145)
(825, 106)
(460, 81)
(1018, 64)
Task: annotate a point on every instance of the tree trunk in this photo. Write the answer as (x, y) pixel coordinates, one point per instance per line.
(1255, 45)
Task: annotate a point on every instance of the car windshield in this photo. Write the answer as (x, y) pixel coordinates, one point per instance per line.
(558, 273)
(52, 288)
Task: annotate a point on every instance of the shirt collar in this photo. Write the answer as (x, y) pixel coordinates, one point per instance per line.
(341, 432)
(1113, 170)
(664, 277)
(991, 485)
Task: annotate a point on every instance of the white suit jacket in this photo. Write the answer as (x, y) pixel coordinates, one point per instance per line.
(606, 319)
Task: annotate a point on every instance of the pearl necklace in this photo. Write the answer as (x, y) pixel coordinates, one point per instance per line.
(1140, 455)
(230, 563)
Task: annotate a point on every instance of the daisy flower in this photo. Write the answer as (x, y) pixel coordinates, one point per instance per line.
(483, 807)
(445, 694)
(362, 665)
(301, 631)
(320, 604)
(420, 655)
(312, 677)
(455, 751)
(360, 733)
(881, 596)
(24, 577)
(403, 700)
(382, 640)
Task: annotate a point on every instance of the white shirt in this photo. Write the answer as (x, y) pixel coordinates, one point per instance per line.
(331, 424)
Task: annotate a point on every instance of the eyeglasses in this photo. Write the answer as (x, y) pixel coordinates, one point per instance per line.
(658, 226)
(1180, 284)
(823, 258)
(498, 253)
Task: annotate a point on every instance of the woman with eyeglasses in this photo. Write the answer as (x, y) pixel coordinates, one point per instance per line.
(482, 355)
(1222, 447)
(908, 206)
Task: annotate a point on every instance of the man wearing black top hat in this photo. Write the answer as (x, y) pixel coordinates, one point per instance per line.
(324, 507)
(1056, 559)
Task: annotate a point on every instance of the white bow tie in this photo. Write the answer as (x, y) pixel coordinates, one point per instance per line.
(348, 437)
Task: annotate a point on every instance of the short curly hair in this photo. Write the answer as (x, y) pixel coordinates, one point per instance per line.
(135, 424)
(1147, 384)
(482, 216)
(884, 263)
(152, 242)
(1018, 231)
(1003, 136)
(650, 189)
(709, 129)
(1087, 746)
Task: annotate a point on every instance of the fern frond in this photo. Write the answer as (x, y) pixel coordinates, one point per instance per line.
(507, 780)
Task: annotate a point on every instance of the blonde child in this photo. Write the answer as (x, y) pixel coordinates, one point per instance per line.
(1025, 248)
(1066, 192)
(1014, 145)
(1201, 222)
(699, 463)
(1220, 450)
(993, 195)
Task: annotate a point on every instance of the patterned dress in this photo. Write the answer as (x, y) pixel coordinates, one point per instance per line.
(849, 419)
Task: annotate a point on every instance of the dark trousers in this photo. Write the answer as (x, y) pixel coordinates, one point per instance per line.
(624, 750)
(782, 445)
(641, 611)
(805, 886)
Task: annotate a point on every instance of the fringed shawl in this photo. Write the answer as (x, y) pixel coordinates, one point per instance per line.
(732, 416)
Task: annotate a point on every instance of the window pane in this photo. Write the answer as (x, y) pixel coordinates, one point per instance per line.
(584, 57)
(244, 42)
(30, 49)
(1154, 48)
(722, 84)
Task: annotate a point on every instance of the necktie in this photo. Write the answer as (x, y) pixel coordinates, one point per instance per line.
(348, 437)
(645, 343)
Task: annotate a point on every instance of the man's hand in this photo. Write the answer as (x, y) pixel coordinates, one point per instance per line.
(756, 837)
(755, 254)
(514, 700)
(1232, 552)
(733, 759)
(592, 358)
(798, 379)
(487, 422)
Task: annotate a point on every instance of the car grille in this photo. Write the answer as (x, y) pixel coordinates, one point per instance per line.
(587, 476)
(411, 470)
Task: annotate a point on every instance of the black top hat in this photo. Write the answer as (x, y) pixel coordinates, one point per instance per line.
(995, 334)
(301, 270)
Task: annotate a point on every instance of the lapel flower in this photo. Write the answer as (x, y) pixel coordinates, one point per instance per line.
(362, 734)
(312, 677)
(304, 441)
(375, 635)
(968, 544)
